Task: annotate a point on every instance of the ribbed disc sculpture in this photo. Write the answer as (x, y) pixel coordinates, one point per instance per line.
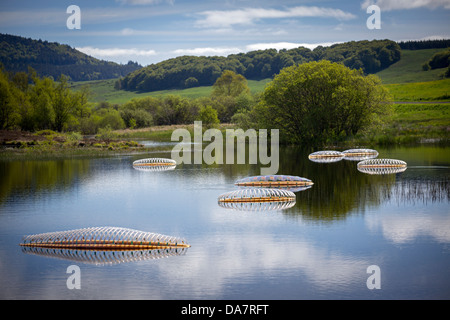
(103, 238)
(360, 154)
(273, 181)
(154, 164)
(256, 195)
(382, 166)
(326, 156)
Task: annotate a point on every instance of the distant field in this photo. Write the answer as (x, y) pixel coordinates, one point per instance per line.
(423, 115)
(409, 68)
(103, 90)
(438, 90)
(416, 122)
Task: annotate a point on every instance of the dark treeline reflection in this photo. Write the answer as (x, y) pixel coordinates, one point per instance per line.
(30, 178)
(339, 188)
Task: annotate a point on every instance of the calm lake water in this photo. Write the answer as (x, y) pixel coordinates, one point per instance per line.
(321, 248)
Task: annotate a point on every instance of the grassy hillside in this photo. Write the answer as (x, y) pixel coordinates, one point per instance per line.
(409, 68)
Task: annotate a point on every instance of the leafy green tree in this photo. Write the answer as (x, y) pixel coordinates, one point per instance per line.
(447, 73)
(319, 102)
(225, 106)
(191, 82)
(7, 102)
(136, 118)
(242, 119)
(42, 97)
(208, 116)
(230, 84)
(91, 124)
(245, 101)
(111, 118)
(65, 103)
(440, 60)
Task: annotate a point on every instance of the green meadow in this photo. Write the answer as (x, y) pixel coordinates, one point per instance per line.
(437, 90)
(103, 90)
(415, 123)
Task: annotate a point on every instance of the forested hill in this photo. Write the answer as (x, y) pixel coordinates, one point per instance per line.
(425, 44)
(53, 59)
(191, 71)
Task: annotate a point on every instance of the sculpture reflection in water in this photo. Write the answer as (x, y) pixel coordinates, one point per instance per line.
(154, 164)
(104, 245)
(274, 181)
(359, 154)
(257, 199)
(104, 257)
(326, 156)
(284, 182)
(382, 166)
(257, 206)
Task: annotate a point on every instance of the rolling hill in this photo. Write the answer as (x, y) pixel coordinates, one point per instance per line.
(192, 71)
(17, 54)
(409, 68)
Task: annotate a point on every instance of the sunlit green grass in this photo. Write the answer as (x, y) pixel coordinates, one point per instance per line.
(103, 90)
(438, 90)
(410, 124)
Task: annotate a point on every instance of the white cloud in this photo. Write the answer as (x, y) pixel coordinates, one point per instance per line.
(406, 228)
(285, 45)
(224, 19)
(225, 51)
(389, 5)
(143, 2)
(247, 253)
(436, 37)
(207, 51)
(115, 52)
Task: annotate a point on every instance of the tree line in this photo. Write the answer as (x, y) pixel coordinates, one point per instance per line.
(32, 103)
(51, 59)
(424, 44)
(439, 60)
(192, 71)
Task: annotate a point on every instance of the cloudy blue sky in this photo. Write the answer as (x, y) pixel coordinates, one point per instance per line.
(149, 31)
